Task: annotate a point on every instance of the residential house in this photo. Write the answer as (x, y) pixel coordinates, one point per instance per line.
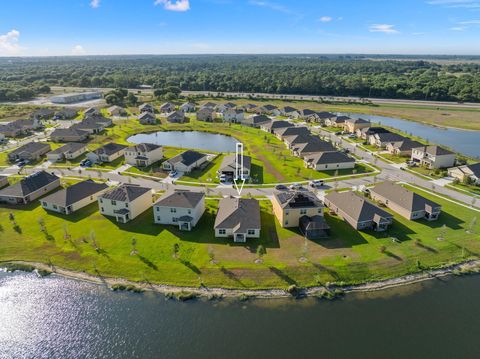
(232, 167)
(167, 107)
(266, 109)
(29, 188)
(209, 105)
(188, 107)
(366, 132)
(146, 107)
(337, 121)
(249, 107)
(68, 151)
(125, 202)
(71, 134)
(107, 153)
(238, 218)
(10, 130)
(466, 173)
(354, 124)
(177, 117)
(407, 203)
(91, 111)
(357, 211)
(233, 116)
(20, 127)
(433, 157)
(288, 111)
(94, 124)
(143, 154)
(300, 209)
(224, 107)
(74, 197)
(66, 114)
(381, 140)
(312, 148)
(403, 148)
(294, 140)
(272, 125)
(256, 120)
(3, 181)
(147, 118)
(31, 151)
(180, 208)
(328, 161)
(206, 114)
(117, 111)
(43, 114)
(320, 117)
(281, 133)
(185, 162)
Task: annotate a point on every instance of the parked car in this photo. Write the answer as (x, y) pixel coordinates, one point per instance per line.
(296, 186)
(281, 187)
(86, 163)
(173, 173)
(21, 163)
(317, 183)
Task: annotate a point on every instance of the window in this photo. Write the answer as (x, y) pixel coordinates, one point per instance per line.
(303, 211)
(189, 211)
(222, 231)
(173, 210)
(101, 200)
(251, 232)
(286, 223)
(174, 220)
(44, 204)
(126, 205)
(157, 209)
(55, 206)
(286, 213)
(158, 218)
(102, 209)
(114, 203)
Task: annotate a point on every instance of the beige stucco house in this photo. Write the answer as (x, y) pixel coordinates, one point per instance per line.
(433, 157)
(143, 154)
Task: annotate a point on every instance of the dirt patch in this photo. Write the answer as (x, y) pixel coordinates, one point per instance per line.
(269, 168)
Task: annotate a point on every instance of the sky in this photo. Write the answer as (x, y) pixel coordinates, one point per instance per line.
(101, 27)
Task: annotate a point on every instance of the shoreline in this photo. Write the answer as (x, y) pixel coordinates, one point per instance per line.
(469, 267)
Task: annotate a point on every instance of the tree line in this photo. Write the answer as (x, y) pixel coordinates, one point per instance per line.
(359, 76)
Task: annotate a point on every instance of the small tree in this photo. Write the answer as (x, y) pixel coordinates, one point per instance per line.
(471, 226)
(92, 237)
(211, 254)
(41, 223)
(176, 250)
(260, 252)
(442, 233)
(134, 247)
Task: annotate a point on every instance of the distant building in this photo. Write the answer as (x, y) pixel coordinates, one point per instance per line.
(256, 120)
(176, 117)
(76, 97)
(147, 118)
(467, 172)
(206, 114)
(354, 124)
(233, 115)
(188, 107)
(65, 114)
(31, 151)
(185, 162)
(329, 161)
(71, 134)
(272, 126)
(167, 107)
(403, 148)
(107, 153)
(69, 151)
(143, 154)
(116, 111)
(146, 107)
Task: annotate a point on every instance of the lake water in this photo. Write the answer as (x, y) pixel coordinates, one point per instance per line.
(188, 139)
(55, 317)
(463, 141)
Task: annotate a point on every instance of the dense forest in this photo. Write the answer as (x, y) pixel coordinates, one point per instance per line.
(420, 79)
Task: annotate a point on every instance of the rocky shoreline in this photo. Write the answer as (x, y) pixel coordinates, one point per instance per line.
(184, 293)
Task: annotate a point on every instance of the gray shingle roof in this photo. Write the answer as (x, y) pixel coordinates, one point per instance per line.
(389, 137)
(66, 132)
(187, 158)
(296, 199)
(31, 147)
(144, 147)
(314, 146)
(406, 145)
(356, 207)
(273, 125)
(229, 164)
(109, 149)
(29, 184)
(69, 147)
(435, 150)
(236, 213)
(181, 199)
(403, 197)
(125, 193)
(329, 157)
(76, 192)
(289, 131)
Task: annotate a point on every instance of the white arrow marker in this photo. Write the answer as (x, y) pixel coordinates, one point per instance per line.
(239, 176)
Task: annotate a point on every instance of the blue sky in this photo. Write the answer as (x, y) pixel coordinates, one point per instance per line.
(69, 27)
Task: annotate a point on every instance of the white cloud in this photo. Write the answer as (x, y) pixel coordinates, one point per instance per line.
(457, 28)
(95, 3)
(271, 5)
(174, 5)
(325, 19)
(9, 43)
(467, 4)
(385, 28)
(78, 50)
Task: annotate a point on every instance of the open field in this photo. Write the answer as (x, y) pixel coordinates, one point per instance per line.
(348, 256)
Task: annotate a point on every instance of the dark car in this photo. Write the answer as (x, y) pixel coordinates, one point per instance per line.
(281, 187)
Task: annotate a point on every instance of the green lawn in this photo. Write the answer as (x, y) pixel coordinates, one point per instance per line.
(348, 256)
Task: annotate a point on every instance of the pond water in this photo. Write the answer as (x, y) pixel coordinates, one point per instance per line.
(55, 317)
(463, 141)
(188, 139)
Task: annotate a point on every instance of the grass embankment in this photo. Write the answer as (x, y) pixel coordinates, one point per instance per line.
(348, 256)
